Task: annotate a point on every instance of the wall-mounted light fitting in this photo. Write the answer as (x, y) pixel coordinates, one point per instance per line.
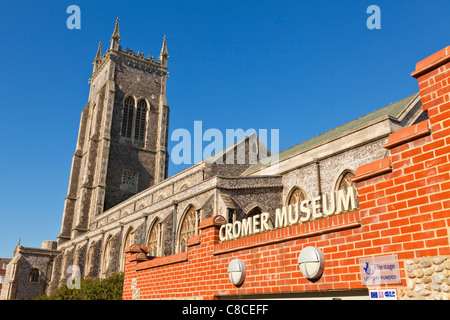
(312, 263)
(237, 272)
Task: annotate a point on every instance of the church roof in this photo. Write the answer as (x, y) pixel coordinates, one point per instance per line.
(393, 110)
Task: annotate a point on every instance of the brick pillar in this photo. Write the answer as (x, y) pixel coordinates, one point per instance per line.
(134, 255)
(433, 74)
(210, 229)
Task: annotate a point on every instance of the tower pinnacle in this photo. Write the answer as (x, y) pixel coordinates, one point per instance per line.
(98, 57)
(163, 56)
(115, 38)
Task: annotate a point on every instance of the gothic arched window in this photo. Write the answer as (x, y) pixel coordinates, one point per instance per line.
(33, 276)
(152, 245)
(141, 116)
(127, 117)
(253, 212)
(129, 240)
(106, 255)
(296, 196)
(89, 259)
(188, 228)
(346, 181)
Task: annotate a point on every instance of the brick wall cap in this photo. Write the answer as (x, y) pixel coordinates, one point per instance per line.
(135, 248)
(373, 169)
(432, 62)
(416, 131)
(140, 256)
(212, 222)
(194, 240)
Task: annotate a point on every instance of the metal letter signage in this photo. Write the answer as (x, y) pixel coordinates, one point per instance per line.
(303, 212)
(380, 270)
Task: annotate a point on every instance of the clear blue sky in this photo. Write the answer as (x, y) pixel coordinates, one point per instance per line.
(303, 67)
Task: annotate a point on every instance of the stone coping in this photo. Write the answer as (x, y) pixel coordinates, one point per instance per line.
(416, 131)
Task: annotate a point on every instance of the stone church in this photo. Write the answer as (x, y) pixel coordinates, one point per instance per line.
(119, 192)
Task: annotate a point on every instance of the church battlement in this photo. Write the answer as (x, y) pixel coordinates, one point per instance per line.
(128, 57)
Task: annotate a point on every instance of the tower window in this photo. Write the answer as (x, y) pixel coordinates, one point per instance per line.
(134, 121)
(127, 120)
(141, 115)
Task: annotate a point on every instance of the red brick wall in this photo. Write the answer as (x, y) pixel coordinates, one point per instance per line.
(410, 202)
(270, 258)
(404, 209)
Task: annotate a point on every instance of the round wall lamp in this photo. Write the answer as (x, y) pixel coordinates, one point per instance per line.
(236, 272)
(312, 263)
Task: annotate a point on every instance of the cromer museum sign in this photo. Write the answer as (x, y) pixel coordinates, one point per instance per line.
(319, 207)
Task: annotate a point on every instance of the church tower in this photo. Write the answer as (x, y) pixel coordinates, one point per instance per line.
(122, 140)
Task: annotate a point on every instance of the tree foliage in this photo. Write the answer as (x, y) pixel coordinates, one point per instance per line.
(91, 289)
